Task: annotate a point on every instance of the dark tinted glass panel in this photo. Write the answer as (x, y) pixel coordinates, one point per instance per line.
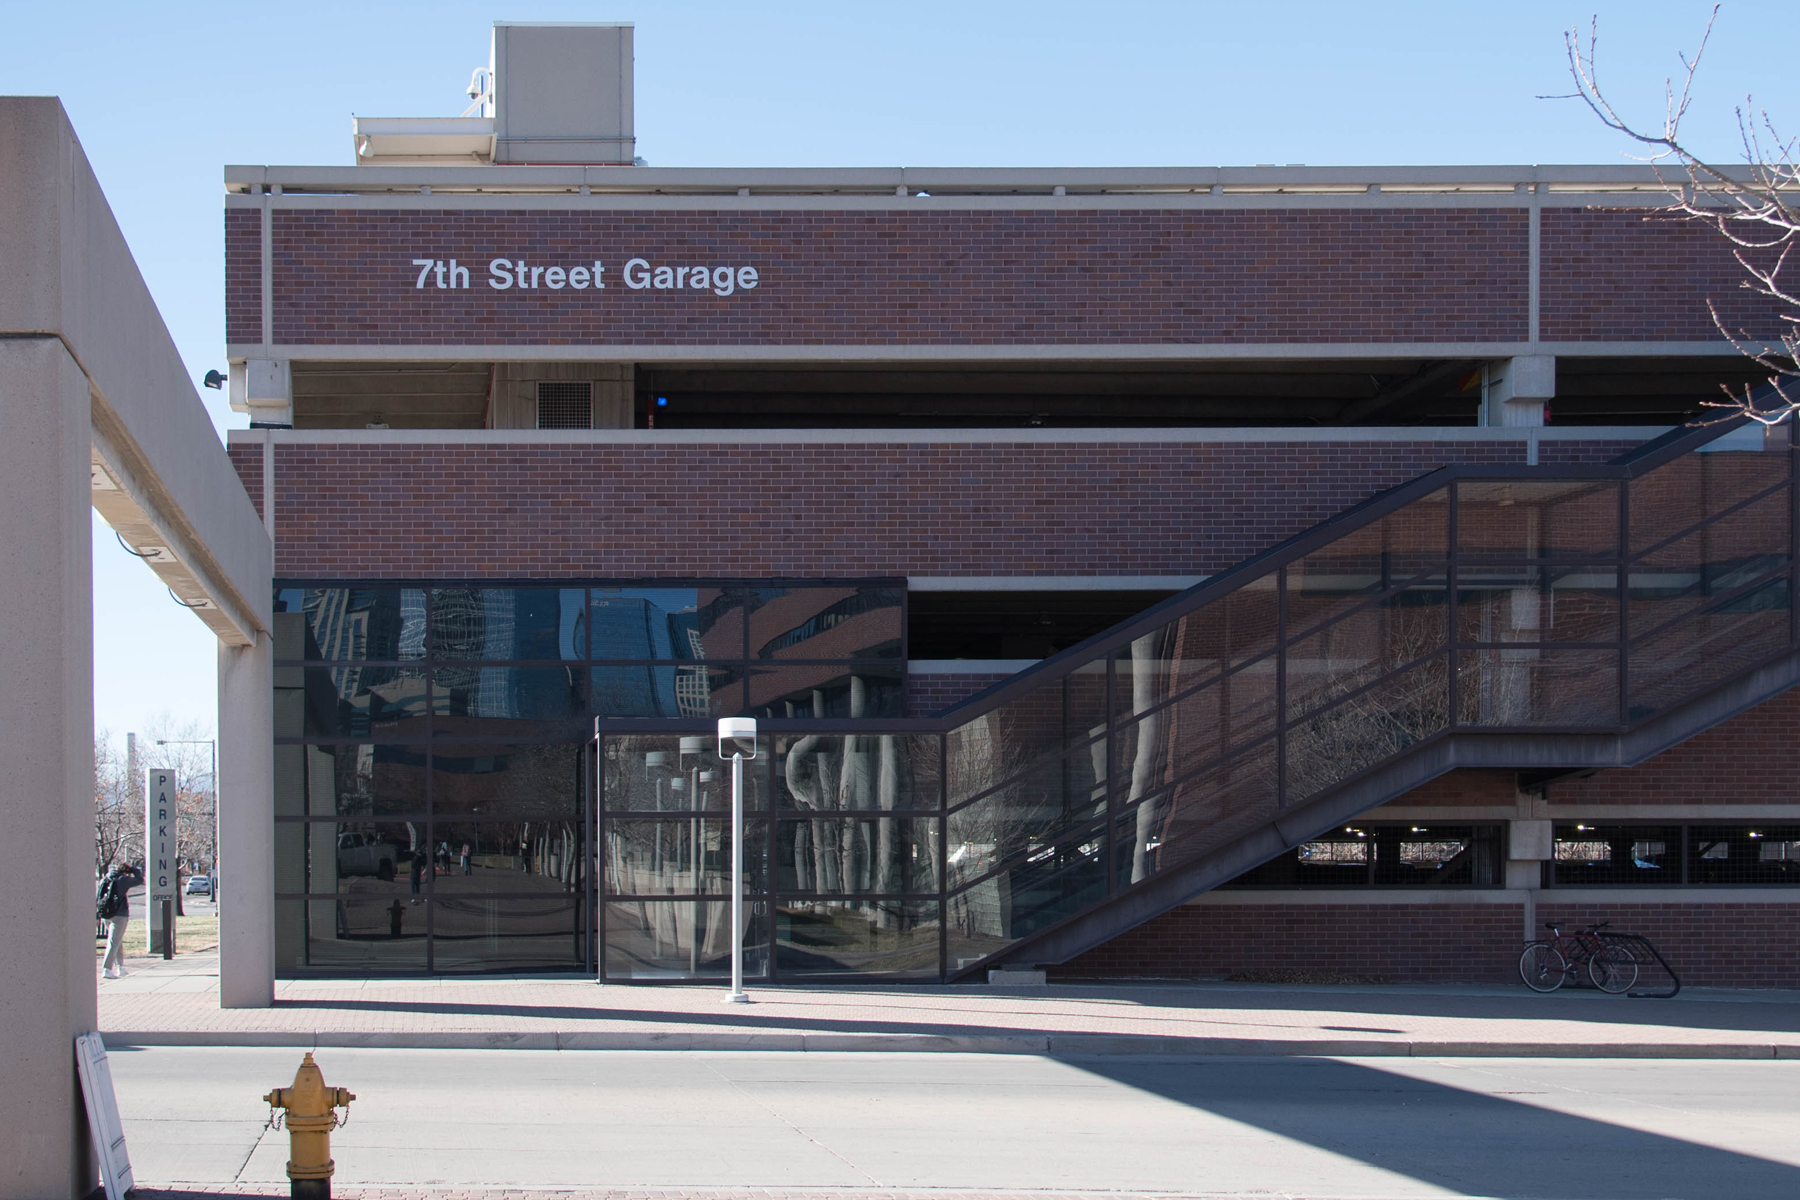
(825, 622)
(350, 936)
(1045, 722)
(1201, 727)
(1680, 661)
(1538, 687)
(1537, 604)
(1198, 814)
(832, 772)
(1360, 647)
(894, 938)
(667, 623)
(349, 780)
(1619, 855)
(1366, 562)
(353, 858)
(349, 623)
(669, 690)
(508, 623)
(1705, 567)
(827, 691)
(1744, 854)
(536, 857)
(680, 856)
(1521, 518)
(1335, 743)
(1021, 817)
(1017, 902)
(478, 700)
(681, 939)
(487, 780)
(505, 933)
(658, 772)
(1228, 633)
(354, 701)
(1681, 494)
(841, 856)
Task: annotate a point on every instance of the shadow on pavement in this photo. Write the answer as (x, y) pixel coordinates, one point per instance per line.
(1467, 1141)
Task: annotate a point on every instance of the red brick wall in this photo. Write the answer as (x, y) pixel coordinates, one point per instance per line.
(1629, 275)
(1708, 944)
(1411, 943)
(1754, 758)
(243, 275)
(249, 463)
(927, 695)
(898, 278)
(361, 510)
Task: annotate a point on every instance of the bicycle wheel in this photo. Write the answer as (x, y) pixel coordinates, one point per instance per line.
(1613, 969)
(1542, 967)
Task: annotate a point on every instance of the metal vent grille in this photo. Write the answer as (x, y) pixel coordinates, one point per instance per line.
(565, 405)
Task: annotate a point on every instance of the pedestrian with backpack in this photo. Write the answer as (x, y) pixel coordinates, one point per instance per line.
(112, 905)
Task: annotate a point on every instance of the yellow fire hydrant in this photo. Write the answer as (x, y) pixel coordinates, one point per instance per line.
(310, 1118)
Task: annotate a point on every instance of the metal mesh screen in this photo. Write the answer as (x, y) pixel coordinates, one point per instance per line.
(565, 405)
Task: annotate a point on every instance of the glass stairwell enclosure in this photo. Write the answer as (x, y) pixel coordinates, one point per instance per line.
(1574, 603)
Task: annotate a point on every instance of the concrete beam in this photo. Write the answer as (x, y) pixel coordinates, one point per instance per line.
(72, 277)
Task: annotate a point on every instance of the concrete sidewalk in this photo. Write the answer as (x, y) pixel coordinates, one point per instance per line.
(176, 1004)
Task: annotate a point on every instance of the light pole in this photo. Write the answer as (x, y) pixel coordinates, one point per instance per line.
(739, 733)
(212, 809)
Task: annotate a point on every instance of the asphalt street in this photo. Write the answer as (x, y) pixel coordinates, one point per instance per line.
(1316, 1128)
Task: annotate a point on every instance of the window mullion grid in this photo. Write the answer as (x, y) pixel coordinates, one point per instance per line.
(1281, 669)
(1624, 602)
(1452, 599)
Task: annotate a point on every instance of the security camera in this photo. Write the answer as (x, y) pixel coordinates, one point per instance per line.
(737, 735)
(478, 83)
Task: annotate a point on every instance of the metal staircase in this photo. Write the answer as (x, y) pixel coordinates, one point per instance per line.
(1544, 618)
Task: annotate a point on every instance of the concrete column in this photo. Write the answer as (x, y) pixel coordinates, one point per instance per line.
(1529, 845)
(247, 825)
(46, 769)
(264, 389)
(1517, 390)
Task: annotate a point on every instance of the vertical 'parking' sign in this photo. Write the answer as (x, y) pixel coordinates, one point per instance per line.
(159, 836)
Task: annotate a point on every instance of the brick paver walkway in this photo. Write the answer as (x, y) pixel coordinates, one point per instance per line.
(176, 1003)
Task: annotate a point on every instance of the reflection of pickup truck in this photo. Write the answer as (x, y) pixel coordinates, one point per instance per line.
(366, 854)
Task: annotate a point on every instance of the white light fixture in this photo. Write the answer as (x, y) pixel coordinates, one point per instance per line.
(738, 734)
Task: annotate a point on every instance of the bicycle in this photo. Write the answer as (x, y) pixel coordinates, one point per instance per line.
(1547, 965)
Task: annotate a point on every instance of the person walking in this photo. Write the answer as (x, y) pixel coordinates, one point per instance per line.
(465, 859)
(112, 904)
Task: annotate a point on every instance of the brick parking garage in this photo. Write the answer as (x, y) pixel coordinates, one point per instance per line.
(561, 462)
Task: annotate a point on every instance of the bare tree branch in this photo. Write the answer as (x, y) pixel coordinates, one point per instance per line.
(1756, 209)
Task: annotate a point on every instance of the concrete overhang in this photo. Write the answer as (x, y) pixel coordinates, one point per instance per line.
(161, 478)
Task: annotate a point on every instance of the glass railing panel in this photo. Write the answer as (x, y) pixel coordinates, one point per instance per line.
(1361, 730)
(1201, 727)
(984, 919)
(1034, 808)
(1355, 650)
(1529, 519)
(1536, 603)
(1537, 686)
(1682, 493)
(1199, 814)
(857, 856)
(1221, 636)
(1366, 562)
(834, 772)
(1059, 712)
(1680, 662)
(1694, 571)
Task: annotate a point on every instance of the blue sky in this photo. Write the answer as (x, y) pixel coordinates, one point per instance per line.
(164, 95)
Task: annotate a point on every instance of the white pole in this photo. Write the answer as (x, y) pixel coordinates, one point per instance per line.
(737, 995)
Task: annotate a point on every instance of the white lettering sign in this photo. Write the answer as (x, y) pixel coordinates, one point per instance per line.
(518, 274)
(160, 844)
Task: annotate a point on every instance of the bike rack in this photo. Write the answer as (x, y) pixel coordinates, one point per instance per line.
(1637, 945)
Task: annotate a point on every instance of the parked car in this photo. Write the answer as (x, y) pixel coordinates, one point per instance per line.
(199, 885)
(366, 854)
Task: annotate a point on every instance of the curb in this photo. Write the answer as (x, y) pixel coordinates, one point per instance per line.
(1073, 1045)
